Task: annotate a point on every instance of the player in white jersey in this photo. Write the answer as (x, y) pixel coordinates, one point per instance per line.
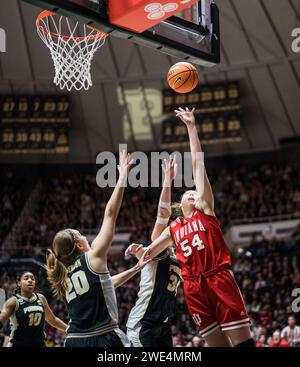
(148, 322)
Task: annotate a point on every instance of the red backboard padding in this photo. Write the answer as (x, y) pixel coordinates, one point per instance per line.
(140, 15)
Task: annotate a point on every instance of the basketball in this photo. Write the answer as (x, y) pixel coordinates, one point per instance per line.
(183, 77)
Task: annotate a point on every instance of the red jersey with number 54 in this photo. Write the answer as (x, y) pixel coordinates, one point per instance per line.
(200, 245)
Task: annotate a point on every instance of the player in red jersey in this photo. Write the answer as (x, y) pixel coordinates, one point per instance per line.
(212, 294)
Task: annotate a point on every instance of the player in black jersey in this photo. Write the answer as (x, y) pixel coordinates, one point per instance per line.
(79, 274)
(148, 323)
(27, 312)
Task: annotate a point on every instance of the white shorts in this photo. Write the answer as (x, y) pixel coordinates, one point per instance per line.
(134, 337)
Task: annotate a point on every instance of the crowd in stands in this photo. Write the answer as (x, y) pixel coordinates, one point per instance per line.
(13, 190)
(74, 200)
(266, 275)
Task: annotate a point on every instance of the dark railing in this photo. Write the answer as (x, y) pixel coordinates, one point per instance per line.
(277, 218)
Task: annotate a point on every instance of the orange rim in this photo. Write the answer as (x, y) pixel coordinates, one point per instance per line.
(47, 13)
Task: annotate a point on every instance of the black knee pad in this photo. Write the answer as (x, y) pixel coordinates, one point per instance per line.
(246, 343)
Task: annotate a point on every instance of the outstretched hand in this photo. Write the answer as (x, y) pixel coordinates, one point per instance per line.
(145, 257)
(125, 163)
(186, 116)
(170, 168)
(133, 249)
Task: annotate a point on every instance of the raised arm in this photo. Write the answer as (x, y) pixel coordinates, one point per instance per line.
(121, 278)
(102, 242)
(7, 311)
(51, 318)
(157, 246)
(202, 183)
(164, 205)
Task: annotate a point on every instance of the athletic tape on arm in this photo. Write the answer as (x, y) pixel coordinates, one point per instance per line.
(161, 220)
(165, 205)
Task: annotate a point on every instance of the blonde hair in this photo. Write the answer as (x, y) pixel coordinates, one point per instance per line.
(64, 252)
(176, 210)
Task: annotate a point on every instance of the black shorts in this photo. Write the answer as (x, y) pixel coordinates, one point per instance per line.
(156, 336)
(108, 340)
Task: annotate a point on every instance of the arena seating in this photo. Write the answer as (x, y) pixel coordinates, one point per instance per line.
(14, 190)
(74, 200)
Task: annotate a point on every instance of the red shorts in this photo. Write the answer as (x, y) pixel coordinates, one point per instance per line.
(215, 302)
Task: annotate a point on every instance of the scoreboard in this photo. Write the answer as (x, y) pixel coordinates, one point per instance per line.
(218, 115)
(34, 124)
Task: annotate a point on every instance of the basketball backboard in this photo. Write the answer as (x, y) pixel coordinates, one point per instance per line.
(192, 35)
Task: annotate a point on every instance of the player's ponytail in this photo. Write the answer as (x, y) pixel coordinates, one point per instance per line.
(64, 253)
(56, 274)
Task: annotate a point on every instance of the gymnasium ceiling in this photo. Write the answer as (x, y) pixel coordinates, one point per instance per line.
(256, 50)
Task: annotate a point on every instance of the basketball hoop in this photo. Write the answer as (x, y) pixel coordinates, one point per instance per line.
(72, 55)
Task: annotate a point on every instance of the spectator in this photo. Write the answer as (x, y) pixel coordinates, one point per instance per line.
(197, 341)
(260, 283)
(291, 333)
(277, 341)
(176, 342)
(264, 317)
(262, 341)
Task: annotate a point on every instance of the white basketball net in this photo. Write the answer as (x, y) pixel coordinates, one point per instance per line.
(72, 55)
